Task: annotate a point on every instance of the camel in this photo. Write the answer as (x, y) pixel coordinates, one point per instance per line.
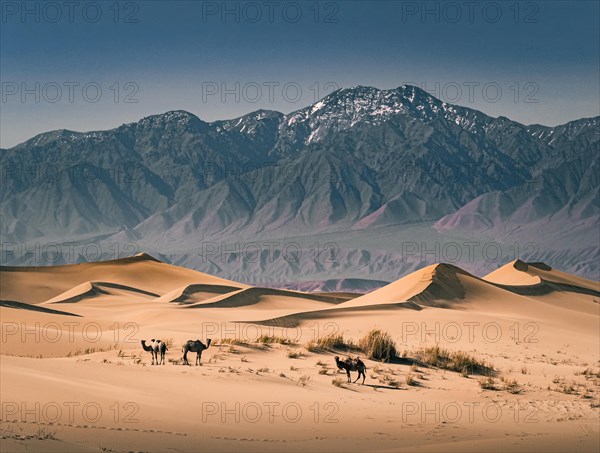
(197, 347)
(155, 347)
(352, 365)
(162, 349)
(149, 348)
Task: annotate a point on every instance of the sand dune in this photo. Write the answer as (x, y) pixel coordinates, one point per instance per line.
(445, 285)
(190, 294)
(431, 285)
(448, 286)
(268, 298)
(91, 290)
(42, 283)
(438, 285)
(544, 331)
(519, 273)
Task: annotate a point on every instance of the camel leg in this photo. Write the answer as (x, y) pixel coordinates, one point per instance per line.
(361, 373)
(348, 374)
(185, 360)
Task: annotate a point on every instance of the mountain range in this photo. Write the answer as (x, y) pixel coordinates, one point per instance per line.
(363, 186)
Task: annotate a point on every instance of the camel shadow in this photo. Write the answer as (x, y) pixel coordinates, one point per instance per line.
(386, 387)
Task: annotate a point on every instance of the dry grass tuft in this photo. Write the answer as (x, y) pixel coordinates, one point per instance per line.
(328, 343)
(273, 339)
(232, 341)
(378, 345)
(453, 360)
(338, 382)
(488, 383)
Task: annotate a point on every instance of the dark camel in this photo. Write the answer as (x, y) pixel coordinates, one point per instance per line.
(197, 347)
(352, 365)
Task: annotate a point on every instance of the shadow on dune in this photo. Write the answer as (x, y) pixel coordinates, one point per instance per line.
(185, 295)
(293, 320)
(403, 361)
(23, 306)
(546, 287)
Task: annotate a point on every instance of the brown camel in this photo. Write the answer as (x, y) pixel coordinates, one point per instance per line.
(197, 347)
(352, 365)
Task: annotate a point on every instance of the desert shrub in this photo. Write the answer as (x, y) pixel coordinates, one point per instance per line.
(303, 380)
(328, 343)
(378, 345)
(589, 373)
(43, 433)
(338, 382)
(567, 388)
(232, 341)
(390, 380)
(487, 383)
(452, 360)
(512, 386)
(273, 339)
(394, 383)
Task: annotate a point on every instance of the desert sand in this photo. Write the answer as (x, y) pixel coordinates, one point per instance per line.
(75, 378)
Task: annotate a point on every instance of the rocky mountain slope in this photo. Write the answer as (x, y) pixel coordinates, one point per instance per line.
(356, 162)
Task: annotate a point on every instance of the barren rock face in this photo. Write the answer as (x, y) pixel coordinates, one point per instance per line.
(359, 160)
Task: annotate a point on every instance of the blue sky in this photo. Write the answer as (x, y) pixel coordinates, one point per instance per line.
(534, 62)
